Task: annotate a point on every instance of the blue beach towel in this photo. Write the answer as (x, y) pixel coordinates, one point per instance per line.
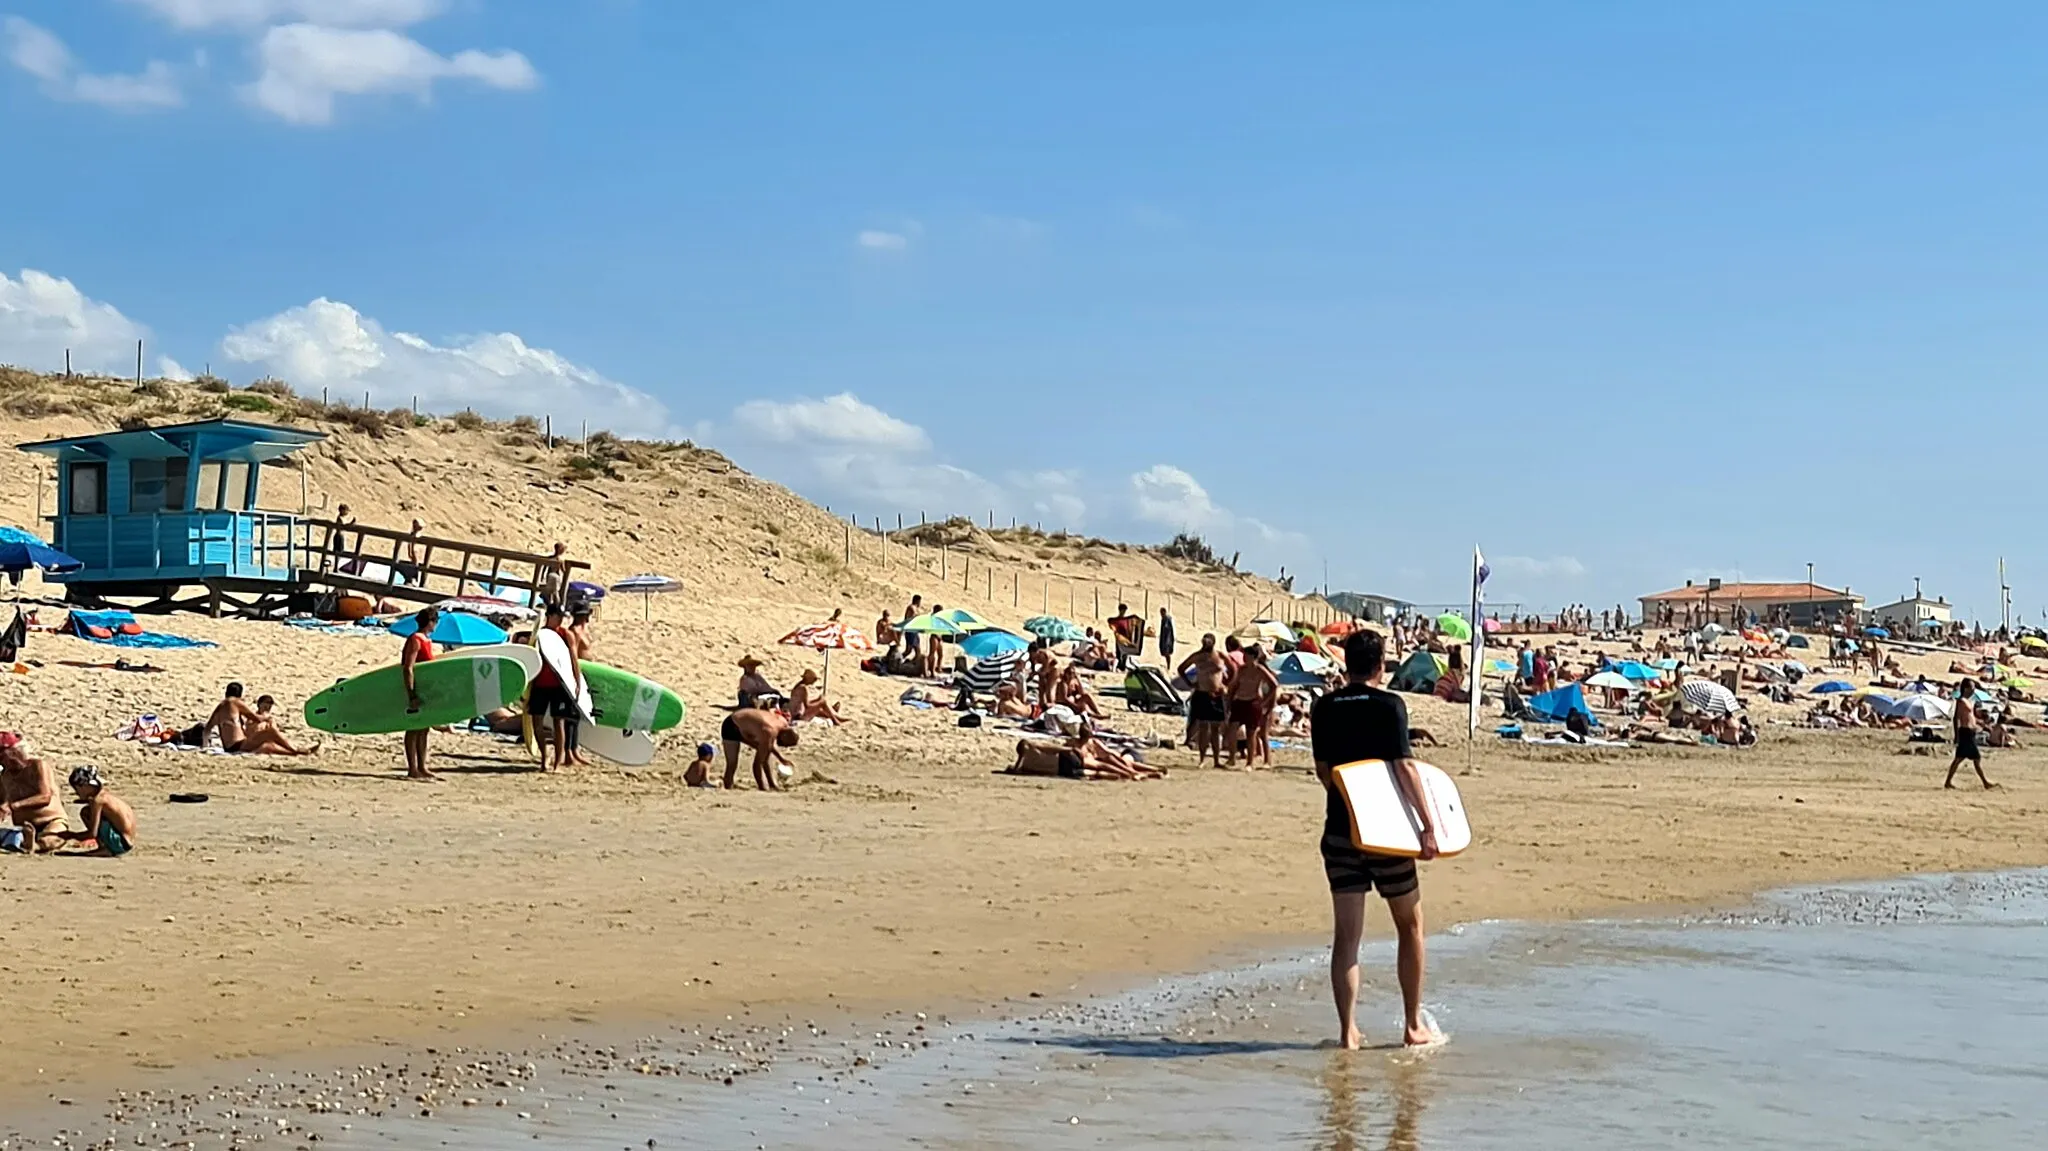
(83, 623)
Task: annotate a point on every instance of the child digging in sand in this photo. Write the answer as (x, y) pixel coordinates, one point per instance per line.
(108, 821)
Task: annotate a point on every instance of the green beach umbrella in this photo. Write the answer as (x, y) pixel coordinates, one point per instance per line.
(966, 620)
(1055, 629)
(929, 624)
(1453, 625)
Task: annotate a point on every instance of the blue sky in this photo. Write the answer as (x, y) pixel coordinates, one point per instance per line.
(1625, 293)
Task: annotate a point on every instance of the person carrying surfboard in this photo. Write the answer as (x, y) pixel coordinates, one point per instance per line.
(554, 694)
(1363, 721)
(418, 649)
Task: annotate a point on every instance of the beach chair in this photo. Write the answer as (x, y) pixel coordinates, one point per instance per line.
(1147, 689)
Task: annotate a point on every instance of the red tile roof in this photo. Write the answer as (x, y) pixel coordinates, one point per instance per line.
(1753, 592)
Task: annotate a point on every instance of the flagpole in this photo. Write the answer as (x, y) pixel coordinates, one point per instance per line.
(1479, 574)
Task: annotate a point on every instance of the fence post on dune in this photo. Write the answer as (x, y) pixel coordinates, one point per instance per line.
(1233, 612)
(989, 593)
(884, 536)
(1098, 602)
(849, 547)
(942, 559)
(1146, 611)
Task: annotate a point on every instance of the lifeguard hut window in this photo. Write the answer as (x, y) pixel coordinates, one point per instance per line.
(88, 489)
(223, 486)
(157, 485)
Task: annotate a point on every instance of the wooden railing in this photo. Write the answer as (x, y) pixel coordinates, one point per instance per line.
(349, 554)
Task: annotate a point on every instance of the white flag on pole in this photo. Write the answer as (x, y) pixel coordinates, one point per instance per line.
(1473, 679)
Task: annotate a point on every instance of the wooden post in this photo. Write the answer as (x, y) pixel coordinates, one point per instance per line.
(849, 546)
(1070, 601)
(942, 559)
(548, 425)
(1098, 602)
(1146, 611)
(1016, 582)
(989, 593)
(138, 383)
(885, 541)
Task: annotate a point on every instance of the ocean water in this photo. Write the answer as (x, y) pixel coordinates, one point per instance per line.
(1910, 1014)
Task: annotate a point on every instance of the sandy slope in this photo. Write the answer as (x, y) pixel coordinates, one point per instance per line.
(321, 902)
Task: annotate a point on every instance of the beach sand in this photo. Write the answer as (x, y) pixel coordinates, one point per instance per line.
(324, 903)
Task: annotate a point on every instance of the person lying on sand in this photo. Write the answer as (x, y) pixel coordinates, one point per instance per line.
(108, 821)
(807, 702)
(766, 732)
(28, 795)
(264, 730)
(1099, 762)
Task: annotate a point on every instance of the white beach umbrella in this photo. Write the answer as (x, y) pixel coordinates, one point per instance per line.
(1613, 681)
(1921, 709)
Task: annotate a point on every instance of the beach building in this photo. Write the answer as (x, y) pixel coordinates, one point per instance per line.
(221, 505)
(1913, 614)
(1800, 604)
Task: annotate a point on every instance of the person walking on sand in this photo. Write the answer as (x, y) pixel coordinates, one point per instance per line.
(554, 697)
(1966, 735)
(418, 650)
(1362, 721)
(1167, 641)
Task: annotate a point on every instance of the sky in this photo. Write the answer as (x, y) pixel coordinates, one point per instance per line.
(1624, 295)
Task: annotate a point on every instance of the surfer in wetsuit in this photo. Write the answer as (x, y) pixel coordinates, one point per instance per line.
(418, 649)
(1362, 721)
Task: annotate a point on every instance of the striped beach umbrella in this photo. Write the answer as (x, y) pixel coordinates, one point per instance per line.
(828, 637)
(648, 585)
(986, 674)
(1707, 696)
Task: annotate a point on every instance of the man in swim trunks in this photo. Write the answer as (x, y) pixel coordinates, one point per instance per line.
(553, 698)
(28, 795)
(1206, 709)
(763, 730)
(1966, 735)
(108, 820)
(1362, 721)
(1252, 691)
(231, 717)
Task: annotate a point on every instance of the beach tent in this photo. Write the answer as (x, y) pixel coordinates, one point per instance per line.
(1796, 641)
(1302, 669)
(1558, 706)
(1418, 673)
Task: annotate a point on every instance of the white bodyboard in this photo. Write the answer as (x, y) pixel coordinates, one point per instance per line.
(1383, 822)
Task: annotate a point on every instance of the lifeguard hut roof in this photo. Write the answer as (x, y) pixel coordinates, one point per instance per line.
(230, 440)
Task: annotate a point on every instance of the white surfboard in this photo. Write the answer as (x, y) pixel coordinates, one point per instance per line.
(625, 748)
(519, 653)
(554, 652)
(1382, 821)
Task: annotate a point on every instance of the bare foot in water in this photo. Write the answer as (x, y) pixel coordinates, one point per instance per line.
(1352, 1040)
(1422, 1036)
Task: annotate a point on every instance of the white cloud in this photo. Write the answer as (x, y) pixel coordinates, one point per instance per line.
(841, 420)
(1531, 567)
(41, 316)
(1171, 498)
(170, 369)
(1055, 498)
(874, 239)
(37, 51)
(306, 66)
(197, 15)
(330, 345)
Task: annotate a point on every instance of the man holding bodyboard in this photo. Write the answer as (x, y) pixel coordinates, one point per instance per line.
(1363, 721)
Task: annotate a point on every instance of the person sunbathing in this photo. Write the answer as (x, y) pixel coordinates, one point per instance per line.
(803, 704)
(1074, 694)
(107, 820)
(1999, 734)
(1099, 762)
(1010, 701)
(243, 730)
(262, 736)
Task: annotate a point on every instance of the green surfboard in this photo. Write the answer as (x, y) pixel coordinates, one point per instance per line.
(454, 688)
(629, 702)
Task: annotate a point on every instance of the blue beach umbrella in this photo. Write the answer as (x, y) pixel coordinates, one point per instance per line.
(1833, 687)
(1877, 633)
(456, 629)
(983, 644)
(1636, 670)
(17, 556)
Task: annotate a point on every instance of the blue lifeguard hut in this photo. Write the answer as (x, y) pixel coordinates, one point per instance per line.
(150, 511)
